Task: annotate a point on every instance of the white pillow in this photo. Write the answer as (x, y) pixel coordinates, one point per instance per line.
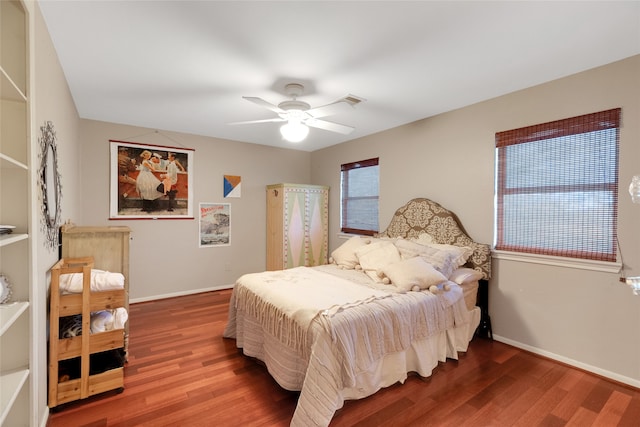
(448, 257)
(423, 239)
(345, 255)
(436, 257)
(465, 275)
(459, 254)
(375, 256)
(412, 272)
(445, 258)
(409, 249)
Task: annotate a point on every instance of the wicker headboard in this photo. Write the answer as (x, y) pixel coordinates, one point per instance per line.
(426, 216)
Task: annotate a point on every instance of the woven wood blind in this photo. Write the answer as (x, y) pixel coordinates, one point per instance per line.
(359, 210)
(557, 187)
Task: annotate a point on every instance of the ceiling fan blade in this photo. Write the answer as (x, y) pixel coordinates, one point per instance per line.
(340, 106)
(330, 126)
(278, 119)
(261, 102)
(330, 109)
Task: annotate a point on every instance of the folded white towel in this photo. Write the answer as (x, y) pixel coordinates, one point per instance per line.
(100, 281)
(107, 320)
(101, 321)
(120, 317)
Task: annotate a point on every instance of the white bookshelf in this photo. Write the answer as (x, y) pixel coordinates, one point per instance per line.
(8, 239)
(11, 384)
(18, 389)
(9, 313)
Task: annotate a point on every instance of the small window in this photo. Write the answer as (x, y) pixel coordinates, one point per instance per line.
(557, 187)
(359, 209)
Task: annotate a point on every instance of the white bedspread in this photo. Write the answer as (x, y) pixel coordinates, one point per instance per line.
(357, 341)
(287, 301)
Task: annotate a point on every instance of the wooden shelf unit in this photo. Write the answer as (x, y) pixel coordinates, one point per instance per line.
(82, 346)
(109, 248)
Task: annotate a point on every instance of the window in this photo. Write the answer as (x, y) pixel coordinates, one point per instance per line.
(359, 209)
(557, 187)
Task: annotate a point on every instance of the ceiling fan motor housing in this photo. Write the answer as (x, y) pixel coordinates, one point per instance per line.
(291, 106)
(293, 109)
(293, 89)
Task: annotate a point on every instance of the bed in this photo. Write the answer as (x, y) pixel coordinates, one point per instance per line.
(385, 306)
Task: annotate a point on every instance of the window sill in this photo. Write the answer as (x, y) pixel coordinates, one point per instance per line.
(343, 235)
(582, 264)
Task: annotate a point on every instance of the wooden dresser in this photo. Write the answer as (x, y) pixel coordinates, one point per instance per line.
(297, 225)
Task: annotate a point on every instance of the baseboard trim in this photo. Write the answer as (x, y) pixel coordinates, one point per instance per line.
(580, 365)
(45, 417)
(179, 294)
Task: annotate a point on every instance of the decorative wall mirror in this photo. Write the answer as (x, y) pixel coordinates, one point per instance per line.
(50, 185)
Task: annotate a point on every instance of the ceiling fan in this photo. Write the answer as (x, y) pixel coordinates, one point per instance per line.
(299, 115)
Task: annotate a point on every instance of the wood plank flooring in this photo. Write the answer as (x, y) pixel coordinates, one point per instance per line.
(181, 372)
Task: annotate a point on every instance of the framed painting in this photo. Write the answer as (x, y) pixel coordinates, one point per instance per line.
(215, 225)
(150, 181)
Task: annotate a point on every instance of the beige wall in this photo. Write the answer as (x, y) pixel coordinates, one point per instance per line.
(165, 257)
(585, 318)
(52, 102)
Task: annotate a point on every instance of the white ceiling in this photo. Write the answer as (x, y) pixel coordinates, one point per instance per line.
(185, 65)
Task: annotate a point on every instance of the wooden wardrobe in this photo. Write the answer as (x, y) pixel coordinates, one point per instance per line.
(297, 225)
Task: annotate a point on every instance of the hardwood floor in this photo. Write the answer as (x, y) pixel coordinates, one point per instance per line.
(181, 372)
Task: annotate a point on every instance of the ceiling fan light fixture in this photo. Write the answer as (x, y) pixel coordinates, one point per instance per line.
(294, 131)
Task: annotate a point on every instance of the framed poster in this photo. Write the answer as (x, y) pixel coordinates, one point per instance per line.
(215, 225)
(150, 181)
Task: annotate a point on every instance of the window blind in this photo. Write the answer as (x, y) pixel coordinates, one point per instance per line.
(557, 187)
(359, 185)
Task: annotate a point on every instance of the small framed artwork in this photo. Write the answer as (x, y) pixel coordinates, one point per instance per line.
(150, 181)
(232, 186)
(215, 225)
